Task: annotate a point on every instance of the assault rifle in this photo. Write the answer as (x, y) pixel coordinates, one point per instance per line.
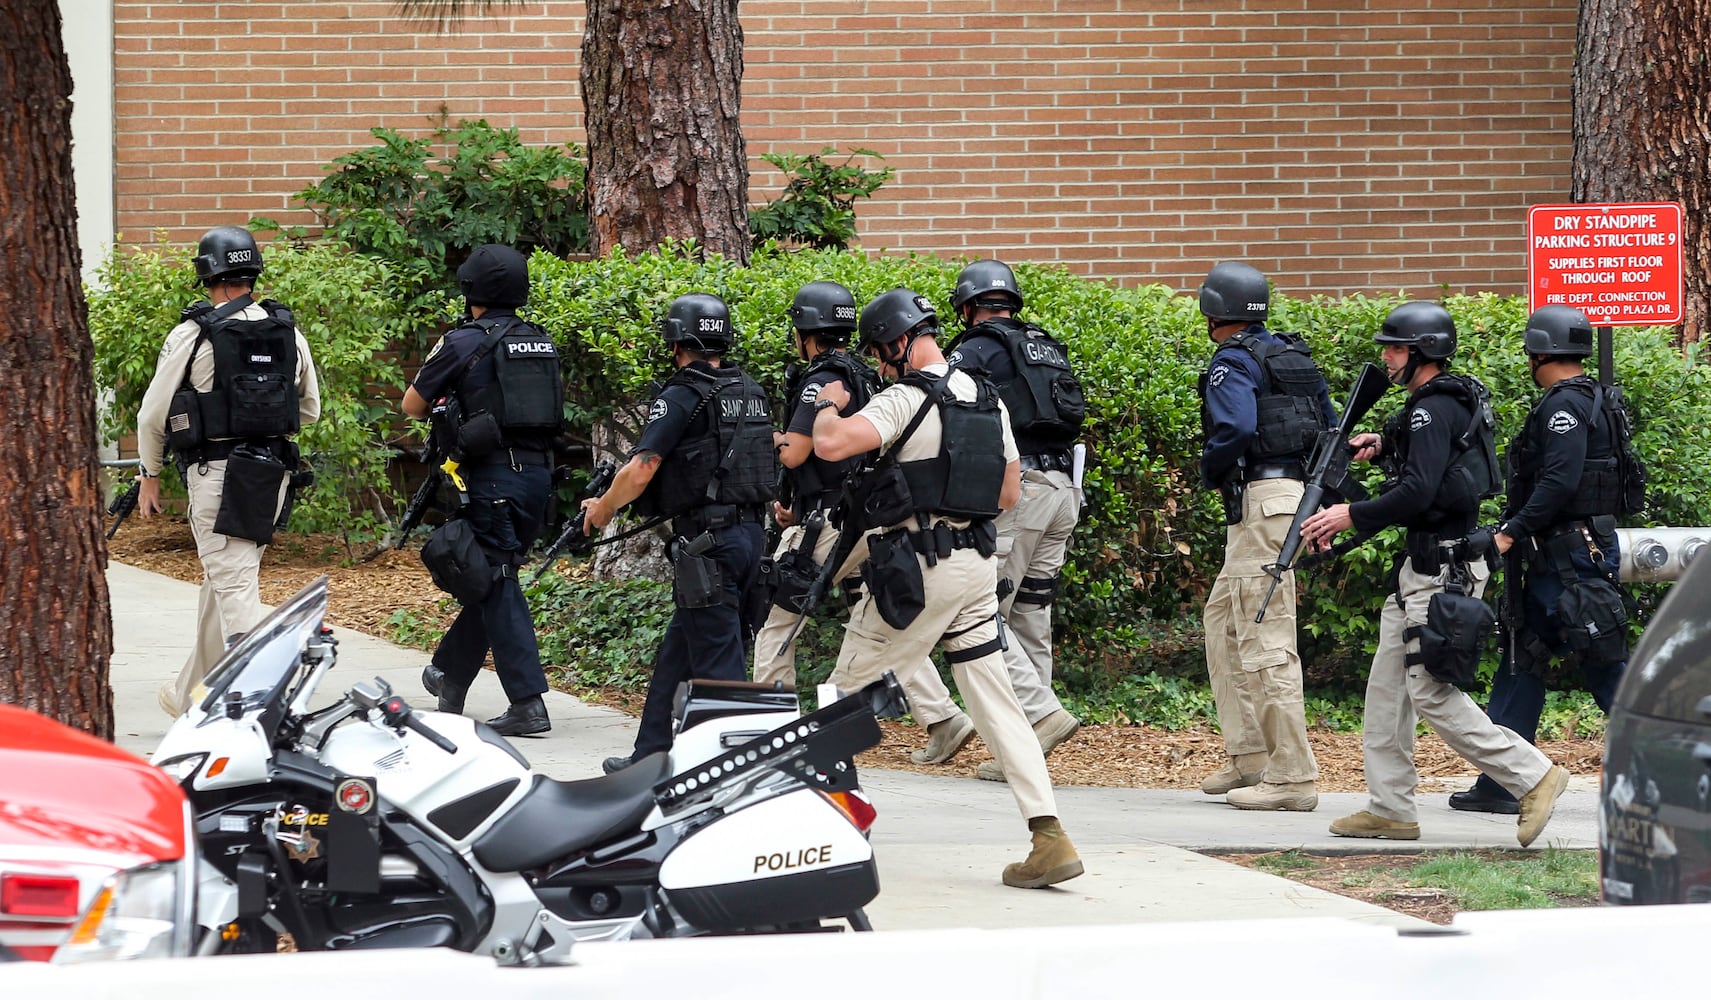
(574, 537)
(441, 466)
(122, 506)
(1327, 472)
(851, 527)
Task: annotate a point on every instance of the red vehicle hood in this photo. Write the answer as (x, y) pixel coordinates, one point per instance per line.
(64, 789)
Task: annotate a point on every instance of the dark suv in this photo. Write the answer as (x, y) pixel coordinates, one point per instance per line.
(1654, 817)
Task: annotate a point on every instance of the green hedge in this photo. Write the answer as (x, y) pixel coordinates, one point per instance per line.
(1150, 541)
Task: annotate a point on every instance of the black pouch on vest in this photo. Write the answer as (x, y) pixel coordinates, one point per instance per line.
(259, 402)
(794, 573)
(696, 581)
(183, 422)
(886, 499)
(892, 574)
(458, 563)
(479, 435)
(1453, 638)
(1594, 621)
(249, 497)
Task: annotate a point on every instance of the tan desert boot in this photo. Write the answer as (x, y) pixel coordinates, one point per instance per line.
(1240, 771)
(1538, 804)
(1294, 796)
(1052, 860)
(944, 739)
(1365, 824)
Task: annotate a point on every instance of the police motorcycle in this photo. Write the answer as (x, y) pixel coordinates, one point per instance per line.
(367, 824)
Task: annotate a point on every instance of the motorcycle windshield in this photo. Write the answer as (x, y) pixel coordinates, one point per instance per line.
(260, 667)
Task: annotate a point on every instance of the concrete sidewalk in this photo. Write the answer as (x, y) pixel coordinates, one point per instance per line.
(941, 841)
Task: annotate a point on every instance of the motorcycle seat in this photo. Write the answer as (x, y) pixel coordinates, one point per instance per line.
(558, 818)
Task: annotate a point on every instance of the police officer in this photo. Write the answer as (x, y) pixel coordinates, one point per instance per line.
(706, 461)
(1565, 490)
(1263, 403)
(497, 379)
(1439, 451)
(1032, 371)
(823, 315)
(929, 576)
(201, 407)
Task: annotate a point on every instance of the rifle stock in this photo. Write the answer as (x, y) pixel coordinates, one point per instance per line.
(1327, 472)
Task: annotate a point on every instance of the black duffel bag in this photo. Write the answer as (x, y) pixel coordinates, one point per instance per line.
(1453, 638)
(458, 563)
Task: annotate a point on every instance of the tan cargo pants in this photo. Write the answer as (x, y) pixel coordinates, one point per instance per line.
(1397, 695)
(1254, 669)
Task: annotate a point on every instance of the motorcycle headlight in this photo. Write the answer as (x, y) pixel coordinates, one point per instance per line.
(183, 768)
(142, 912)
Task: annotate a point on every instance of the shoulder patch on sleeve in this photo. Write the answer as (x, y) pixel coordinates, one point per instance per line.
(1420, 418)
(1218, 374)
(438, 345)
(811, 391)
(955, 359)
(1561, 422)
(658, 410)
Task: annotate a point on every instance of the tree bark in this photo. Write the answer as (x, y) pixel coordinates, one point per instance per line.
(662, 90)
(1642, 121)
(55, 620)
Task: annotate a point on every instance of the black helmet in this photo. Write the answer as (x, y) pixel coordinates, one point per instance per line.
(699, 321)
(1558, 330)
(1424, 326)
(1236, 292)
(892, 314)
(227, 252)
(982, 278)
(494, 275)
(825, 309)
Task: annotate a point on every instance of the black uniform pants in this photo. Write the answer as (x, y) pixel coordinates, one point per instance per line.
(706, 643)
(507, 507)
(1518, 696)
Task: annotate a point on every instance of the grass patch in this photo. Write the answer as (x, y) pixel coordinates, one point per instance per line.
(1511, 881)
(1285, 862)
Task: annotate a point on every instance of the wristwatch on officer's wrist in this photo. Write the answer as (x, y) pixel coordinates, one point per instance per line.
(822, 404)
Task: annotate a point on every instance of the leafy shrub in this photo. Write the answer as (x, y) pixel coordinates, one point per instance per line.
(396, 201)
(342, 306)
(817, 207)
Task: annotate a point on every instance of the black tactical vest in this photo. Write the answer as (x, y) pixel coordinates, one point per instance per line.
(517, 380)
(254, 394)
(1472, 475)
(1044, 398)
(967, 476)
(1290, 412)
(816, 481)
(725, 455)
(1602, 488)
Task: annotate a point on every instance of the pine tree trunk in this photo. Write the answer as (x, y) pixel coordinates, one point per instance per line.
(1642, 121)
(55, 621)
(662, 90)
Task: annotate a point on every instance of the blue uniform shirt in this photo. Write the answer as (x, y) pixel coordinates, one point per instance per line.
(1233, 385)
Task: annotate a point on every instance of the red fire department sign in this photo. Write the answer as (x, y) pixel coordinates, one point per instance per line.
(1619, 264)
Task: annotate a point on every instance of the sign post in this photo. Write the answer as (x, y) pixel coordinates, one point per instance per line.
(1620, 264)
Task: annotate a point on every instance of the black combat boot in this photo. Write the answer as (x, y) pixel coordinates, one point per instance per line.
(524, 718)
(450, 695)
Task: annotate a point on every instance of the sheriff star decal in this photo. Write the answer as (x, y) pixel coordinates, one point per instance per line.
(1562, 422)
(307, 847)
(812, 392)
(1419, 419)
(657, 411)
(1218, 375)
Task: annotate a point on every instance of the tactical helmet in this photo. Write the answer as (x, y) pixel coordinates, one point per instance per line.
(699, 321)
(1558, 330)
(983, 278)
(892, 314)
(1425, 327)
(825, 309)
(494, 275)
(1236, 292)
(227, 252)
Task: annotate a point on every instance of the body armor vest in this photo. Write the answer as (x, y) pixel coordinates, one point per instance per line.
(725, 455)
(254, 394)
(1603, 484)
(517, 380)
(1044, 398)
(1472, 473)
(965, 479)
(1290, 412)
(816, 481)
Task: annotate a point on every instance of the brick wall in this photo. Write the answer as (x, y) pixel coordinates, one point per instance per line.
(1393, 144)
